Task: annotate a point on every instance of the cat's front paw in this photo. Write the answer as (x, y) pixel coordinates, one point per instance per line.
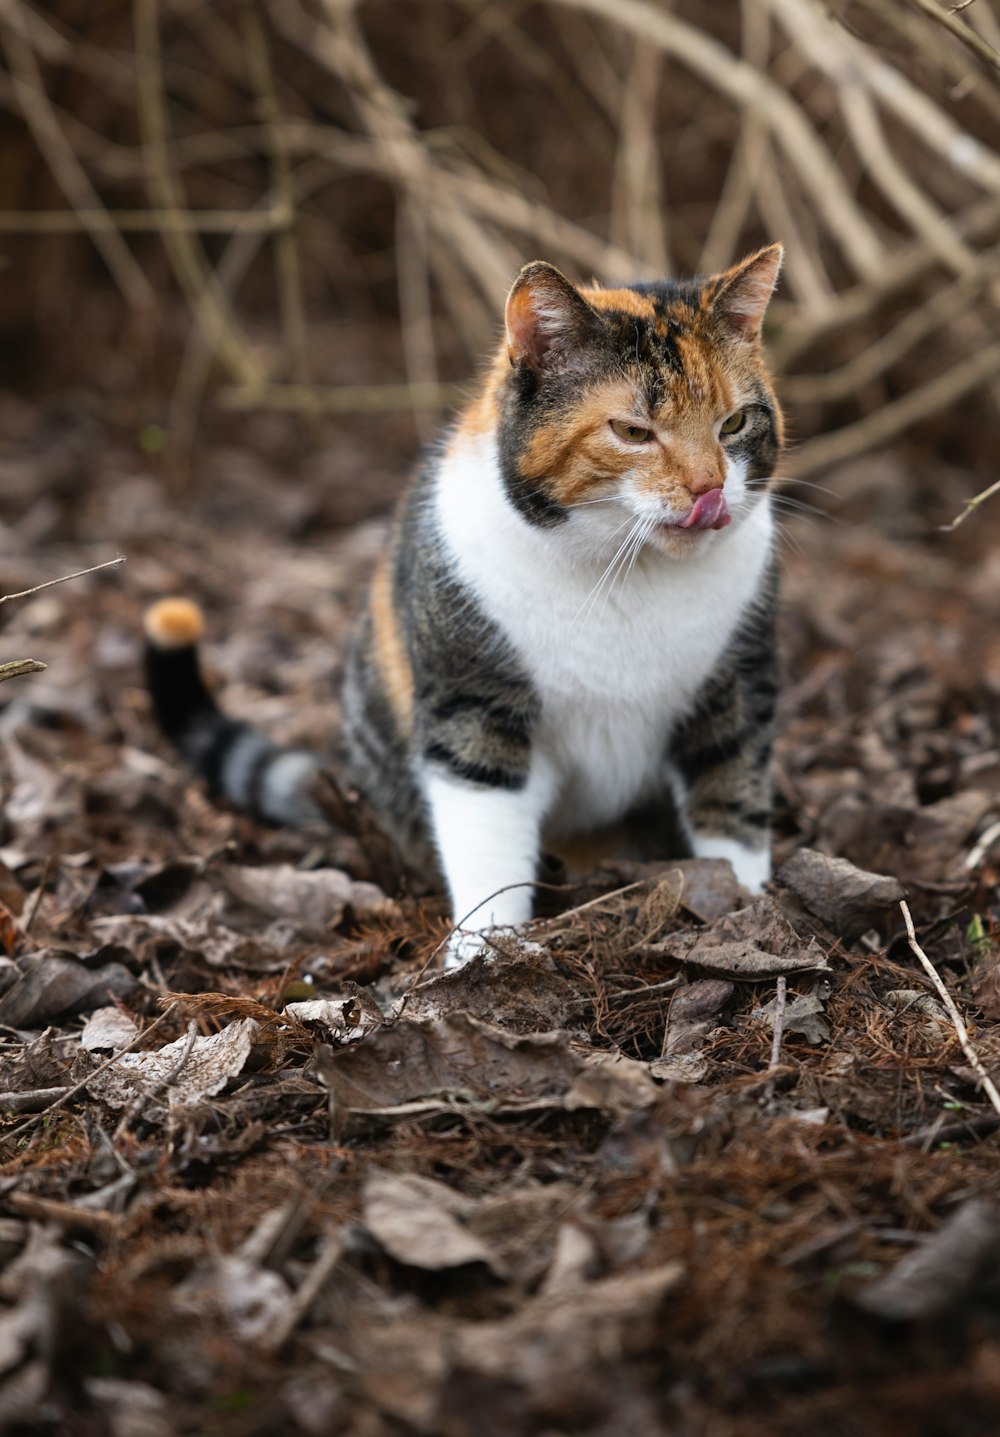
(752, 866)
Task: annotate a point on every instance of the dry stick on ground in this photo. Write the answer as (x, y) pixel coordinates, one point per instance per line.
(779, 1020)
(985, 1081)
(135, 1108)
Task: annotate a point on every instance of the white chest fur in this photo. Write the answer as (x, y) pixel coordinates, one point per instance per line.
(614, 673)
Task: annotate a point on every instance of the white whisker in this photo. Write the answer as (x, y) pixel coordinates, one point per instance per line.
(591, 598)
(585, 503)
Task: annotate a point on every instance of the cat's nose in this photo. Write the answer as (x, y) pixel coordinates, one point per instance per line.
(709, 478)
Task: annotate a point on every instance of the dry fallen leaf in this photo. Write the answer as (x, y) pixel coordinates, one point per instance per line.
(53, 982)
(693, 1010)
(195, 1068)
(108, 1029)
(419, 1222)
(964, 1250)
(313, 899)
(847, 899)
(756, 942)
(803, 1013)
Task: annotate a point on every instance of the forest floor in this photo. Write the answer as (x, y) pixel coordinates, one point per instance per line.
(564, 1190)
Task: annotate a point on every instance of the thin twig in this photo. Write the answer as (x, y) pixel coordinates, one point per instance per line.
(50, 583)
(969, 37)
(973, 504)
(14, 668)
(942, 308)
(985, 1081)
(991, 835)
(32, 1100)
(779, 1020)
(306, 1294)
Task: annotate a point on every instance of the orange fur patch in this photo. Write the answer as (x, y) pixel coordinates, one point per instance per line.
(174, 623)
(390, 649)
(622, 301)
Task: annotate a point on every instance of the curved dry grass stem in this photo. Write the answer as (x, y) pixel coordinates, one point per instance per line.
(985, 1081)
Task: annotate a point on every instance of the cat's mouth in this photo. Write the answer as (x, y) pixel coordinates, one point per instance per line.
(709, 511)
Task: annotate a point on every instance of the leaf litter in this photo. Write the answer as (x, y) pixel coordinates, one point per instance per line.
(267, 1168)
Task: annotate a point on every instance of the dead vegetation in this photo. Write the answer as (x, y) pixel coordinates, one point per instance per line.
(686, 1162)
(265, 1170)
(333, 163)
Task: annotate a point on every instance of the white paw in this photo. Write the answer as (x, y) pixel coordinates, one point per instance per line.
(752, 866)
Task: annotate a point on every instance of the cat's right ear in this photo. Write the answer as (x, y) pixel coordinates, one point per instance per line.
(547, 320)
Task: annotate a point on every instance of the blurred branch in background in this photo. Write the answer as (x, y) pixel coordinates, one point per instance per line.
(282, 167)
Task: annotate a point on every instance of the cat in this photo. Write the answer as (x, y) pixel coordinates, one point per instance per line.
(572, 625)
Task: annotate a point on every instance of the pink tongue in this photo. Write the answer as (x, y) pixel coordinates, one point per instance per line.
(710, 512)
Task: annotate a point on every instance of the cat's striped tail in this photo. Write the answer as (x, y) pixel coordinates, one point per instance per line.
(241, 765)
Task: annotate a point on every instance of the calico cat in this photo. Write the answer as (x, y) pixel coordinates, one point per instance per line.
(572, 626)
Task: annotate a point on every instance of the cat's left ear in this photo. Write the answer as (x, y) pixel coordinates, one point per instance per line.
(547, 320)
(743, 292)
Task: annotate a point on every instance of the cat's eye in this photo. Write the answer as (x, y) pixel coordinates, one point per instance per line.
(734, 423)
(631, 433)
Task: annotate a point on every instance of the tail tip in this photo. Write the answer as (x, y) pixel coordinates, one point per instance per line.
(174, 624)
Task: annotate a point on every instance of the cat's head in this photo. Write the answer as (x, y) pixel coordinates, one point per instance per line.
(652, 401)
